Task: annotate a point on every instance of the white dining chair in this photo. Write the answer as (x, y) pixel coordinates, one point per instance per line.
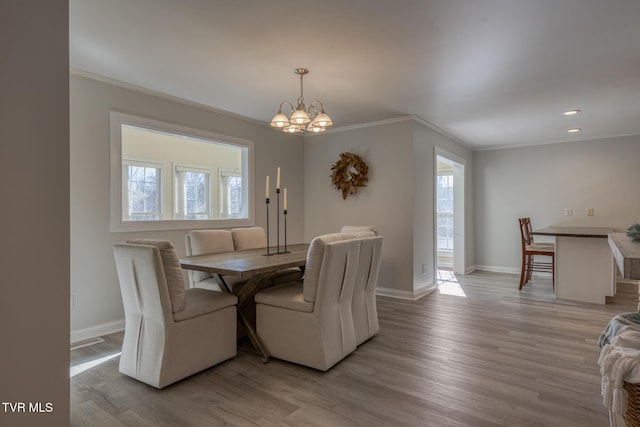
(364, 309)
(256, 238)
(170, 332)
(310, 322)
(356, 228)
(200, 242)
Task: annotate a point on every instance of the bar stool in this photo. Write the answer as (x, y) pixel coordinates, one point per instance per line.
(530, 249)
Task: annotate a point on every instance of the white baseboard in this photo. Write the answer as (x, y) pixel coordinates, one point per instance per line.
(97, 331)
(424, 290)
(507, 270)
(495, 269)
(407, 295)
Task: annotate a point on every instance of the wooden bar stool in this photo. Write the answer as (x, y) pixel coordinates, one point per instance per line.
(530, 249)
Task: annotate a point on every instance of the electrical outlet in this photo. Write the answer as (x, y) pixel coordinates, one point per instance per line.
(568, 212)
(589, 211)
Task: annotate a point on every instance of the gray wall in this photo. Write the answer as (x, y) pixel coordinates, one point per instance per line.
(398, 199)
(426, 141)
(34, 153)
(94, 285)
(541, 181)
(386, 201)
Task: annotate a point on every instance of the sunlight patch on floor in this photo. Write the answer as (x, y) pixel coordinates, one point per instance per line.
(78, 369)
(448, 284)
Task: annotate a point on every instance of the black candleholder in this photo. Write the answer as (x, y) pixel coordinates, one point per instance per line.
(267, 203)
(285, 231)
(278, 220)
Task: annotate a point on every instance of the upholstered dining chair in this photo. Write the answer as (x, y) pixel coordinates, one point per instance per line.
(530, 250)
(249, 238)
(357, 228)
(364, 309)
(200, 242)
(256, 238)
(310, 322)
(170, 332)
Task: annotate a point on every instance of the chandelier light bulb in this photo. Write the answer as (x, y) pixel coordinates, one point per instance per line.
(293, 128)
(322, 120)
(280, 120)
(300, 116)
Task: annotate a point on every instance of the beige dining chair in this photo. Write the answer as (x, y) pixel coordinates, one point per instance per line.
(364, 309)
(200, 242)
(256, 238)
(170, 332)
(357, 228)
(310, 322)
(249, 238)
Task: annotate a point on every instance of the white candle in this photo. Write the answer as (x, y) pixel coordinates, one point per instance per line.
(278, 179)
(285, 199)
(267, 188)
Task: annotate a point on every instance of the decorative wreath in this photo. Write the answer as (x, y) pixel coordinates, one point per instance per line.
(349, 173)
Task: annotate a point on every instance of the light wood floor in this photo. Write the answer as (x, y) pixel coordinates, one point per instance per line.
(494, 357)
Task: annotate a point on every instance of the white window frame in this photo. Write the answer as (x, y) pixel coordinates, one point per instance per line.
(178, 185)
(451, 239)
(125, 182)
(225, 173)
(118, 119)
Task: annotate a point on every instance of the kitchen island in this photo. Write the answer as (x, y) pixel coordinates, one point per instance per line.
(584, 266)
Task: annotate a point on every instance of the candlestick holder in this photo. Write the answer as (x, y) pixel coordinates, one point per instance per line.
(278, 220)
(285, 230)
(267, 203)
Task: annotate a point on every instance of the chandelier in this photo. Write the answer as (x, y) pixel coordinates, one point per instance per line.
(314, 119)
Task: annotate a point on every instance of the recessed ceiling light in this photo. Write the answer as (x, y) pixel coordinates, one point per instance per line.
(574, 130)
(571, 112)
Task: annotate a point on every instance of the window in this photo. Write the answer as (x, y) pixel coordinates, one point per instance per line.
(192, 190)
(169, 177)
(445, 213)
(230, 194)
(141, 191)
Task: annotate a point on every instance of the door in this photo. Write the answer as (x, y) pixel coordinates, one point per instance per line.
(449, 213)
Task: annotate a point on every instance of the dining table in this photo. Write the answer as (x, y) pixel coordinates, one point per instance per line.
(255, 265)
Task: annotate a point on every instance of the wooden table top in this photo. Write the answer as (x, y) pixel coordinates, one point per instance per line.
(568, 231)
(249, 262)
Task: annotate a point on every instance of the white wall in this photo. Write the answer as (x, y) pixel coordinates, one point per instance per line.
(398, 199)
(34, 184)
(541, 181)
(94, 284)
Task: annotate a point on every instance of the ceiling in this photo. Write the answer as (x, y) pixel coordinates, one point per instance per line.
(489, 73)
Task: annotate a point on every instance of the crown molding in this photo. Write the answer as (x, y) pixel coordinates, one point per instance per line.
(362, 126)
(442, 132)
(397, 120)
(177, 99)
(146, 91)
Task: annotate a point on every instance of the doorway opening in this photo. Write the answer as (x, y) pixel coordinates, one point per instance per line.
(449, 220)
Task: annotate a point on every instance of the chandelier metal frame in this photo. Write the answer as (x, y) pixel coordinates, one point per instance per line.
(314, 119)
